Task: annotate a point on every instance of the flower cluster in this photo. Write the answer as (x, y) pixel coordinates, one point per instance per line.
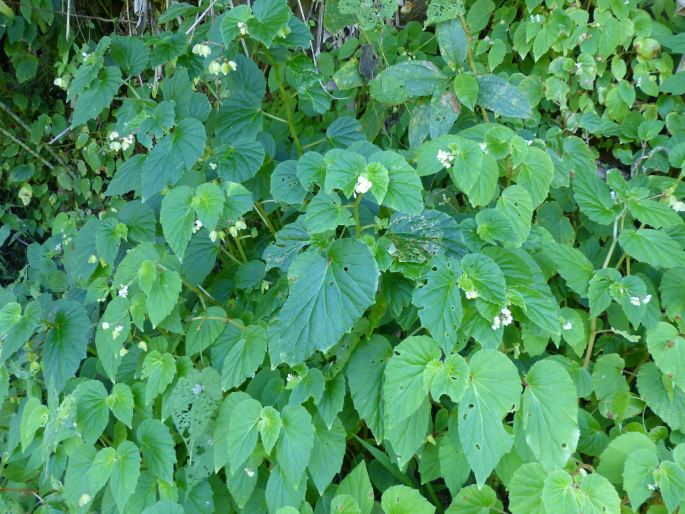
(216, 67)
(637, 301)
(118, 142)
(445, 158)
(363, 185)
(202, 50)
(472, 294)
(504, 318)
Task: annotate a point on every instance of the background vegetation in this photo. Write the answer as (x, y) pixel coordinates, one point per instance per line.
(347, 256)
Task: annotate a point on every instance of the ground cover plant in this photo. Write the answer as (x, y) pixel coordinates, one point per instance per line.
(343, 257)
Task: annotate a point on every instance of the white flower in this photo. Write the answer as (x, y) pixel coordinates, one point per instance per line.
(363, 185)
(578, 66)
(92, 259)
(197, 389)
(197, 226)
(84, 500)
(470, 295)
(242, 28)
(567, 325)
(115, 146)
(233, 231)
(496, 322)
(647, 299)
(483, 147)
(232, 65)
(529, 142)
(240, 225)
(675, 204)
(445, 158)
(113, 135)
(613, 195)
(202, 50)
(142, 345)
(85, 55)
(214, 68)
(123, 352)
(117, 331)
(506, 317)
(249, 472)
(105, 325)
(123, 291)
(58, 247)
(213, 235)
(651, 487)
(212, 165)
(290, 377)
(60, 82)
(638, 82)
(635, 301)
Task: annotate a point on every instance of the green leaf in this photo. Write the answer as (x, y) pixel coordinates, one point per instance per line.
(157, 447)
(245, 352)
(449, 378)
(269, 425)
(311, 169)
(655, 214)
(15, 328)
(205, 330)
(101, 468)
(400, 499)
(403, 390)
(325, 212)
(550, 414)
(177, 217)
(672, 287)
(327, 453)
(209, 204)
(92, 412)
(475, 500)
(97, 96)
(404, 188)
(160, 371)
(654, 247)
(452, 41)
(572, 265)
(66, 343)
(162, 294)
(410, 79)
(240, 116)
(466, 88)
(515, 203)
(493, 390)
(480, 274)
(439, 301)
(613, 458)
(638, 476)
(242, 432)
(668, 349)
(327, 296)
(285, 186)
(240, 160)
(175, 153)
(525, 489)
(535, 174)
(33, 417)
(593, 197)
(269, 18)
(670, 478)
(358, 486)
(295, 443)
(662, 396)
(365, 372)
(504, 99)
(120, 402)
(125, 473)
(343, 168)
(116, 321)
(238, 200)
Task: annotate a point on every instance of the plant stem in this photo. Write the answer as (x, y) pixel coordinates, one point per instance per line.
(265, 219)
(288, 110)
(27, 148)
(240, 248)
(230, 255)
(357, 225)
(469, 57)
(607, 260)
(277, 118)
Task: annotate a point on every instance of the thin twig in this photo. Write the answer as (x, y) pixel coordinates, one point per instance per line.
(200, 18)
(28, 148)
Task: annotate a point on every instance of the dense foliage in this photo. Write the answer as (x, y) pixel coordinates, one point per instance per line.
(345, 257)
